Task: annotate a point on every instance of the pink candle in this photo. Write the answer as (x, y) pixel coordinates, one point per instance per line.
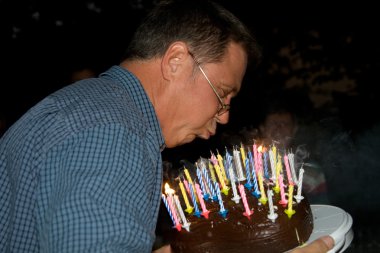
(186, 185)
(255, 158)
(248, 211)
(283, 200)
(174, 212)
(205, 212)
(213, 159)
(260, 160)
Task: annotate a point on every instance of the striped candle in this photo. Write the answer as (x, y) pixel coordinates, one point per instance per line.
(248, 174)
(200, 179)
(196, 212)
(168, 208)
(256, 191)
(266, 173)
(283, 200)
(288, 174)
(299, 197)
(222, 210)
(208, 181)
(248, 211)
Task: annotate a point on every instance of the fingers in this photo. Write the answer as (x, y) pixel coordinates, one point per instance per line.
(321, 245)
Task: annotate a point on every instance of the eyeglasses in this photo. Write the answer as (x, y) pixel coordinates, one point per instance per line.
(223, 107)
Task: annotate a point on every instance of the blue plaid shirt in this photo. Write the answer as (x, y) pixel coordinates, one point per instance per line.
(81, 171)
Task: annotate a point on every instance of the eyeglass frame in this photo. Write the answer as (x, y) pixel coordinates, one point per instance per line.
(224, 107)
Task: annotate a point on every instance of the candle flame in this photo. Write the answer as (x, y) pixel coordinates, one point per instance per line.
(260, 149)
(168, 190)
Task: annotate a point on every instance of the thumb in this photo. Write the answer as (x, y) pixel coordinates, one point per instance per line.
(321, 245)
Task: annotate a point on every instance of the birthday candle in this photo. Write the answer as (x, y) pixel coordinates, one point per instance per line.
(185, 223)
(222, 211)
(200, 179)
(168, 208)
(213, 193)
(242, 152)
(279, 162)
(236, 197)
(266, 164)
(221, 180)
(248, 211)
(205, 212)
(276, 188)
(289, 211)
(274, 150)
(248, 175)
(212, 172)
(255, 157)
(292, 168)
(256, 191)
(283, 200)
(186, 185)
(263, 199)
(196, 212)
(272, 165)
(299, 197)
(188, 176)
(272, 215)
(169, 193)
(238, 166)
(189, 208)
(221, 167)
(289, 175)
(228, 159)
(259, 159)
(213, 159)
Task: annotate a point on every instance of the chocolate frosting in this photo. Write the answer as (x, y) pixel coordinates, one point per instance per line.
(237, 233)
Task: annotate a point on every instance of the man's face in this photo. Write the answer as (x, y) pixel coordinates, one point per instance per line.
(196, 110)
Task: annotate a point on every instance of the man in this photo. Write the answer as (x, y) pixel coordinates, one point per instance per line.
(81, 171)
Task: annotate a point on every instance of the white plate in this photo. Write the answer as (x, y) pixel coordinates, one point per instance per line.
(333, 221)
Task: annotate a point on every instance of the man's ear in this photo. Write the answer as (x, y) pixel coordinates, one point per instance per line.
(174, 59)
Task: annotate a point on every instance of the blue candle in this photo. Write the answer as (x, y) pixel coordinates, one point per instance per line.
(266, 165)
(200, 179)
(213, 193)
(222, 211)
(196, 212)
(256, 191)
(168, 208)
(248, 185)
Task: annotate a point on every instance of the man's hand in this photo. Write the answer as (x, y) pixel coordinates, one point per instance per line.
(321, 245)
(164, 249)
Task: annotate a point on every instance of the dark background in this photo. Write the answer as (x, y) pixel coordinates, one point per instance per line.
(326, 55)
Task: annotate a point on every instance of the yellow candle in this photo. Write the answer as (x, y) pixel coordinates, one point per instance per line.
(279, 162)
(221, 180)
(263, 199)
(274, 150)
(189, 208)
(242, 152)
(212, 172)
(221, 167)
(290, 210)
(278, 170)
(188, 176)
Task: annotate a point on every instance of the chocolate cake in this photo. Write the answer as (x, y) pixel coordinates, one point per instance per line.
(237, 233)
(226, 226)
